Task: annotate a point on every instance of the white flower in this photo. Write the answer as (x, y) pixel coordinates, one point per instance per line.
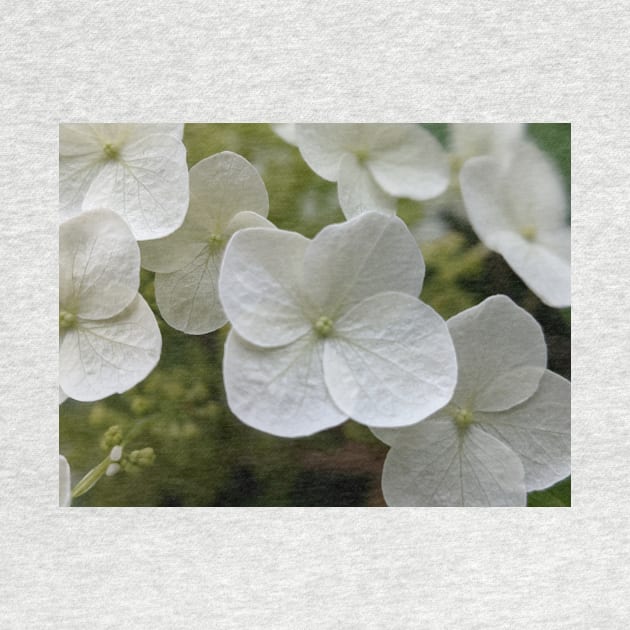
(520, 212)
(375, 163)
(506, 430)
(65, 483)
(138, 171)
(108, 336)
(226, 194)
(331, 328)
(286, 131)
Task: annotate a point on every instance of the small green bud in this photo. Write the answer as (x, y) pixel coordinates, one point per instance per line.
(463, 418)
(66, 319)
(111, 152)
(142, 458)
(324, 326)
(140, 405)
(112, 437)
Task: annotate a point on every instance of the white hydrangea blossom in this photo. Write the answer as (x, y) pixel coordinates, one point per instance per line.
(138, 171)
(65, 483)
(226, 194)
(109, 339)
(506, 430)
(520, 212)
(332, 328)
(373, 164)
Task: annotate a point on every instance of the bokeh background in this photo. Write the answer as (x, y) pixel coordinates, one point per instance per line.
(204, 455)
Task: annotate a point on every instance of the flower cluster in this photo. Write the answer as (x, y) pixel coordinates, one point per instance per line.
(333, 327)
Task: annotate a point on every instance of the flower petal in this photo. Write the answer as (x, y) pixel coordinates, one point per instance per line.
(390, 361)
(188, 299)
(323, 145)
(147, 185)
(62, 396)
(279, 390)
(358, 192)
(446, 467)
(65, 483)
(497, 139)
(286, 131)
(247, 219)
(173, 252)
(501, 355)
(100, 358)
(99, 265)
(260, 286)
(347, 262)
(221, 186)
(538, 431)
(541, 269)
(407, 161)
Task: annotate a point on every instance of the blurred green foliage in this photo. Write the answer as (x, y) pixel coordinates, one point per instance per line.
(207, 457)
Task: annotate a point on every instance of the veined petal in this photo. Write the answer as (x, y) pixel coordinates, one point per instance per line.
(147, 185)
(173, 252)
(65, 483)
(323, 145)
(104, 357)
(221, 186)
(279, 390)
(406, 436)
(407, 161)
(138, 131)
(541, 269)
(80, 160)
(501, 355)
(538, 431)
(448, 467)
(99, 265)
(260, 286)
(188, 299)
(358, 192)
(348, 262)
(390, 361)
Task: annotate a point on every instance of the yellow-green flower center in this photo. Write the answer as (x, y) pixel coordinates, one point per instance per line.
(111, 152)
(66, 320)
(216, 240)
(324, 326)
(463, 418)
(528, 232)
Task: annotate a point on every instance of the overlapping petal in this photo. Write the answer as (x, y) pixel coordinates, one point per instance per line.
(348, 262)
(286, 131)
(539, 431)
(280, 390)
(407, 161)
(390, 361)
(99, 264)
(98, 358)
(188, 298)
(358, 191)
(446, 468)
(260, 286)
(501, 354)
(497, 139)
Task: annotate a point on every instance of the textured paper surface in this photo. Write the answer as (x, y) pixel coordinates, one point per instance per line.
(314, 568)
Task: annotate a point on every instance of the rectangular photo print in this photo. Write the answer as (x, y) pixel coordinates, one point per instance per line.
(315, 315)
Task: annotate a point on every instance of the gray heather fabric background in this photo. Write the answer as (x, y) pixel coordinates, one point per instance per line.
(304, 61)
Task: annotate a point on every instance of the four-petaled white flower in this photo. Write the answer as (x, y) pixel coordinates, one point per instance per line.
(109, 339)
(506, 430)
(65, 483)
(138, 171)
(332, 328)
(226, 194)
(373, 164)
(520, 212)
